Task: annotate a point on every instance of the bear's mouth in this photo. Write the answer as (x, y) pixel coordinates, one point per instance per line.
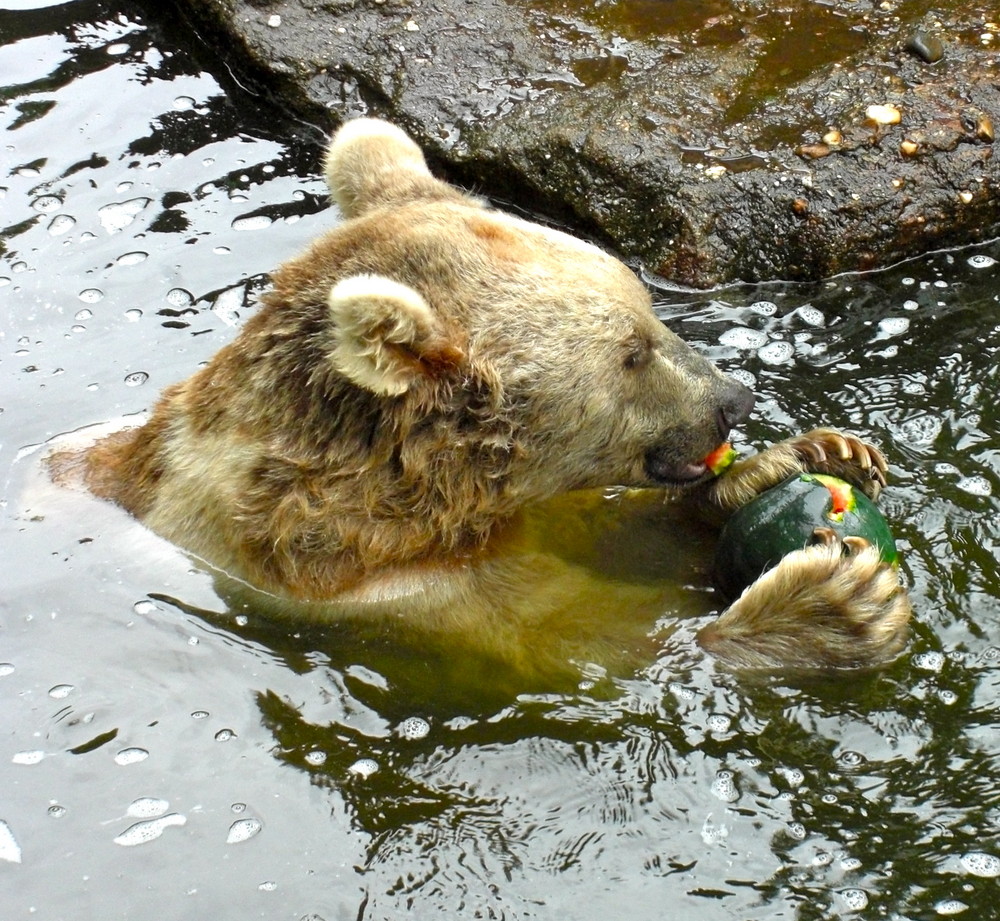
(667, 472)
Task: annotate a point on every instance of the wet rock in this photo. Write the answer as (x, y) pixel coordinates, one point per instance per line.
(709, 140)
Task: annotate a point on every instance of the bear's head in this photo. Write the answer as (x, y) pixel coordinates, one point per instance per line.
(543, 348)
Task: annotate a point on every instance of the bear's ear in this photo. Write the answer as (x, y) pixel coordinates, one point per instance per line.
(370, 162)
(388, 338)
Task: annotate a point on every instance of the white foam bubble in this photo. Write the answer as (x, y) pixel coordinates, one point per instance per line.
(253, 222)
(981, 261)
(180, 297)
(131, 756)
(315, 758)
(764, 308)
(60, 224)
(854, 899)
(147, 807)
(364, 767)
(812, 316)
(136, 378)
(719, 722)
(793, 776)
(950, 907)
(929, 661)
(724, 787)
(34, 756)
(739, 337)
(893, 326)
(777, 352)
(243, 830)
(144, 832)
(46, 204)
(59, 691)
(975, 485)
(414, 728)
(681, 692)
(746, 378)
(921, 430)
(978, 863)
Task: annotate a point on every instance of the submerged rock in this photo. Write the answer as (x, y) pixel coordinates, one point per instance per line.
(709, 140)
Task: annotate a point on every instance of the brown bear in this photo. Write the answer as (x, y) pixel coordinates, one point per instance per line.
(425, 372)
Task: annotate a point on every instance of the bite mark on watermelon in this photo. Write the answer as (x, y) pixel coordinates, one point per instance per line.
(841, 495)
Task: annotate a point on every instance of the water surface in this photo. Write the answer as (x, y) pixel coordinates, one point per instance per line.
(164, 756)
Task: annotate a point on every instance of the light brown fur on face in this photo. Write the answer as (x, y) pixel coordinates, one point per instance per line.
(413, 381)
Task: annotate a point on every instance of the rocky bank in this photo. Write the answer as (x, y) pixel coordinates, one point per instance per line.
(707, 140)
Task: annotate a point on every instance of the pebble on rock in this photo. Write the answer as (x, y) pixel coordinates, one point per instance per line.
(813, 151)
(883, 114)
(925, 46)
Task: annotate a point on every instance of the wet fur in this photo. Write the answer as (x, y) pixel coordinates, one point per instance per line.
(423, 373)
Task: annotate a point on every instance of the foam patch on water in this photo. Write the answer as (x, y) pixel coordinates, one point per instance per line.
(724, 787)
(812, 316)
(854, 899)
(144, 832)
(977, 863)
(739, 337)
(131, 756)
(147, 807)
(243, 830)
(776, 353)
(254, 222)
(975, 485)
(10, 850)
(719, 722)
(364, 767)
(414, 728)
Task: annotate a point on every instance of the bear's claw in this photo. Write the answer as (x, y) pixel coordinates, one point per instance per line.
(842, 455)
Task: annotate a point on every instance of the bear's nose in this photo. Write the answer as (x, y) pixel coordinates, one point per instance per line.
(734, 407)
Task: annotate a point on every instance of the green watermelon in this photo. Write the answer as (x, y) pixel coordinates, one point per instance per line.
(783, 519)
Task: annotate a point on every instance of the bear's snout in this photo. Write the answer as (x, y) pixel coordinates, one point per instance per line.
(735, 407)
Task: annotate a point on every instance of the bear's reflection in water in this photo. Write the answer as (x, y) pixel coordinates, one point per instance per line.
(587, 584)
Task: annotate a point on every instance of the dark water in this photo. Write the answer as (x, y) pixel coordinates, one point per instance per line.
(162, 757)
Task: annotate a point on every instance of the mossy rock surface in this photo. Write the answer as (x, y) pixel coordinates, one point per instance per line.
(784, 518)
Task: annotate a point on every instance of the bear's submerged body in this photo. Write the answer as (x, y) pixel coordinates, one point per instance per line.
(424, 373)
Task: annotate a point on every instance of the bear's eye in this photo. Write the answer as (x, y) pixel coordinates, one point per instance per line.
(637, 354)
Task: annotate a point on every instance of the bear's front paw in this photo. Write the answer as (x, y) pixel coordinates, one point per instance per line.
(833, 604)
(841, 455)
